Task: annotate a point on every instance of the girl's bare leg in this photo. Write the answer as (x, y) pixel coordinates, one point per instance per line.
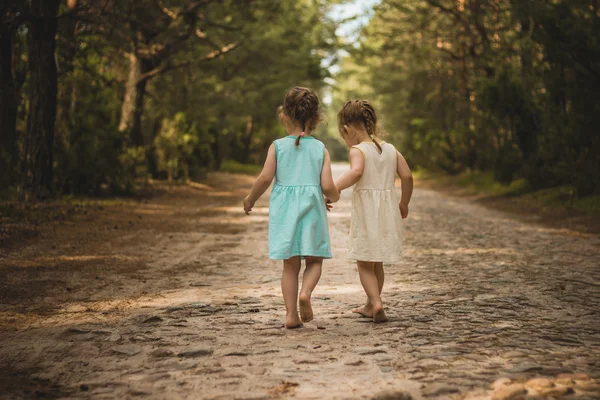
(368, 279)
(310, 278)
(367, 309)
(289, 288)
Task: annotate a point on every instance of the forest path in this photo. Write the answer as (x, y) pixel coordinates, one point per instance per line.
(174, 297)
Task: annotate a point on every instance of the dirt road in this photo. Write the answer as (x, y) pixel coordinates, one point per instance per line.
(174, 297)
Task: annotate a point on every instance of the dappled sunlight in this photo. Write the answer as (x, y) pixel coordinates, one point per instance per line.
(223, 194)
(557, 231)
(339, 215)
(53, 261)
(133, 130)
(198, 185)
(469, 251)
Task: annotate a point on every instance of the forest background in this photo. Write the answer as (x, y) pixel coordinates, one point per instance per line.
(101, 96)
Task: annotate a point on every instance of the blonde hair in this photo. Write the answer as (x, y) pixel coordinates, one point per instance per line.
(301, 105)
(360, 112)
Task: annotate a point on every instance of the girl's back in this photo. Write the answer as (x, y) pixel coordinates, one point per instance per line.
(297, 214)
(299, 165)
(375, 225)
(380, 168)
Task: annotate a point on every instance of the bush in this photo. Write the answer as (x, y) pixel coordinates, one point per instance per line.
(239, 168)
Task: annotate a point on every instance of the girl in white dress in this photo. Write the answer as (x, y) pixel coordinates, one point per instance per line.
(375, 236)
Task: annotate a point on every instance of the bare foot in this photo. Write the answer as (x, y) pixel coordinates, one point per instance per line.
(306, 312)
(379, 314)
(365, 311)
(292, 321)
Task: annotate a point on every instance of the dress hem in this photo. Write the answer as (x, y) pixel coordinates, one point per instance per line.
(397, 261)
(272, 257)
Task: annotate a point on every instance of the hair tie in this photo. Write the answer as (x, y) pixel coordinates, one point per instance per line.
(371, 136)
(302, 134)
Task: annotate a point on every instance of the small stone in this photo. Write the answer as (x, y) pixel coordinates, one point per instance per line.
(126, 349)
(525, 368)
(162, 353)
(209, 370)
(587, 386)
(306, 361)
(371, 351)
(84, 388)
(501, 382)
(539, 384)
(564, 379)
(195, 353)
(257, 370)
(514, 354)
(580, 377)
(152, 320)
(509, 392)
(77, 330)
(392, 396)
(236, 354)
(438, 389)
(355, 363)
(556, 391)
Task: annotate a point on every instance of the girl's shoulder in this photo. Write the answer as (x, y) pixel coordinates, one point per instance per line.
(389, 146)
(369, 149)
(309, 142)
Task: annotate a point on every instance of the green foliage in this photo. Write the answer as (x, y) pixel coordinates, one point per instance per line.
(207, 82)
(513, 88)
(175, 145)
(239, 168)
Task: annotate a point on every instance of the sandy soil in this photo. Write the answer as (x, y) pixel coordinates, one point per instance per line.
(174, 297)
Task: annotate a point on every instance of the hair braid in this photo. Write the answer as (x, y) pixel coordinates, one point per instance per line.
(303, 107)
(370, 122)
(361, 113)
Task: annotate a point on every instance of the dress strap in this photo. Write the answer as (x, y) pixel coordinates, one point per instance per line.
(357, 146)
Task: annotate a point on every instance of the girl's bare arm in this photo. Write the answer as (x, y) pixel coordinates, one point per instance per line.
(263, 181)
(406, 178)
(357, 167)
(327, 184)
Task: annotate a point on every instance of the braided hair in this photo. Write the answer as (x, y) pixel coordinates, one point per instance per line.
(301, 105)
(360, 112)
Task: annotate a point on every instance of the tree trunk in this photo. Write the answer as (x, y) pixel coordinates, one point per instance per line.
(8, 111)
(247, 139)
(133, 103)
(39, 138)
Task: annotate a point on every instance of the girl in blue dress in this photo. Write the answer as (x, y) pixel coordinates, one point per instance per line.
(298, 226)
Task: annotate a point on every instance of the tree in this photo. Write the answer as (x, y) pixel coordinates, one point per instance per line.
(39, 139)
(11, 80)
(503, 86)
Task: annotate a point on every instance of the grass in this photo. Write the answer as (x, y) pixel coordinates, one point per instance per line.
(483, 183)
(235, 167)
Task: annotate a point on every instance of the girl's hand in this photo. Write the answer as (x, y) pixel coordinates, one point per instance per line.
(328, 205)
(404, 210)
(248, 205)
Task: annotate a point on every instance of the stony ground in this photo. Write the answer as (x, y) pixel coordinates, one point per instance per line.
(174, 298)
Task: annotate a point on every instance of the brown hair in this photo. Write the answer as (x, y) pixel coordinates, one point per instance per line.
(301, 105)
(359, 112)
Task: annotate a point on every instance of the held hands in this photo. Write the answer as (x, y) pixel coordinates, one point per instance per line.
(328, 205)
(404, 210)
(248, 204)
(328, 202)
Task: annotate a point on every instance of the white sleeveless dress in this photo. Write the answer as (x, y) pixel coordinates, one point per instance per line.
(375, 224)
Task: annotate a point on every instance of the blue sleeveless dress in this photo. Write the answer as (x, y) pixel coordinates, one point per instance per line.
(297, 214)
